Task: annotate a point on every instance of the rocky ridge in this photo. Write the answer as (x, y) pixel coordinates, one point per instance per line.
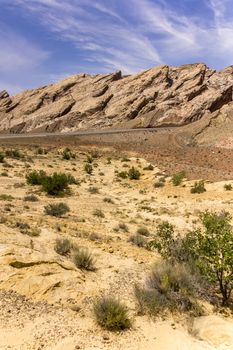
(161, 96)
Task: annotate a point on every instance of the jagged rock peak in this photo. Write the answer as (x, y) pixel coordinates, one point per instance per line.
(158, 96)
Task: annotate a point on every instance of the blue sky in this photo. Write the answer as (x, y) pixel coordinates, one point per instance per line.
(42, 41)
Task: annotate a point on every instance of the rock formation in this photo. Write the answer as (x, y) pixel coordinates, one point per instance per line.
(159, 96)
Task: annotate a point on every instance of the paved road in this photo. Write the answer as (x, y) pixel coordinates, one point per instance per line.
(83, 133)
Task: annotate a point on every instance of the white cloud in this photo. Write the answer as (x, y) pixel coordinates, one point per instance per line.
(17, 53)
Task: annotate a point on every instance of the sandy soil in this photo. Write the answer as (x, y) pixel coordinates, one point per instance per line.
(46, 302)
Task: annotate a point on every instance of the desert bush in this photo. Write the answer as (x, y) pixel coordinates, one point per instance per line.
(123, 174)
(178, 178)
(56, 184)
(94, 154)
(111, 314)
(6, 197)
(137, 240)
(88, 168)
(31, 198)
(109, 160)
(134, 174)
(89, 159)
(168, 287)
(198, 187)
(56, 209)
(121, 227)
(228, 187)
(27, 229)
(83, 259)
(67, 154)
(2, 156)
(36, 177)
(159, 184)
(143, 231)
(13, 153)
(63, 246)
(98, 213)
(93, 190)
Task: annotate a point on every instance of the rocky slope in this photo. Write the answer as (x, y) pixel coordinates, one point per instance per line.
(157, 97)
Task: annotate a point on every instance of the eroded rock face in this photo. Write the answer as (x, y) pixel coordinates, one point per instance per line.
(157, 97)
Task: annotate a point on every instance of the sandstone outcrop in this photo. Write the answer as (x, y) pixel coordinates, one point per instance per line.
(160, 96)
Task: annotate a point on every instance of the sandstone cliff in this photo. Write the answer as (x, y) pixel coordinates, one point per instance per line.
(157, 97)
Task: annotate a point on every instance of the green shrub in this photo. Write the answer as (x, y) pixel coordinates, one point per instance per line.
(57, 209)
(228, 187)
(56, 184)
(36, 177)
(62, 246)
(6, 197)
(178, 178)
(134, 174)
(212, 249)
(137, 240)
(111, 314)
(31, 198)
(88, 168)
(168, 287)
(83, 259)
(198, 187)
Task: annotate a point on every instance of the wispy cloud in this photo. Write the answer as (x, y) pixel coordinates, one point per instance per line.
(129, 35)
(18, 53)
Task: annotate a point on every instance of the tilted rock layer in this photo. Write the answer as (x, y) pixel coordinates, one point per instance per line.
(156, 97)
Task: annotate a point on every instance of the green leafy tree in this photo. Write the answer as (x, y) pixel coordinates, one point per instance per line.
(214, 249)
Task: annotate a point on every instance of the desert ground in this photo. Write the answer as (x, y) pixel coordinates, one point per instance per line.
(46, 301)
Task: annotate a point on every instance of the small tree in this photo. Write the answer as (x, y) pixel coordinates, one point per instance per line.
(214, 248)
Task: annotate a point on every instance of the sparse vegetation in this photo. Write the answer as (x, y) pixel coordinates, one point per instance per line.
(198, 187)
(83, 259)
(57, 209)
(123, 174)
(63, 246)
(67, 154)
(88, 168)
(56, 184)
(31, 198)
(169, 287)
(111, 314)
(137, 240)
(143, 231)
(178, 178)
(228, 187)
(36, 177)
(2, 157)
(134, 174)
(98, 213)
